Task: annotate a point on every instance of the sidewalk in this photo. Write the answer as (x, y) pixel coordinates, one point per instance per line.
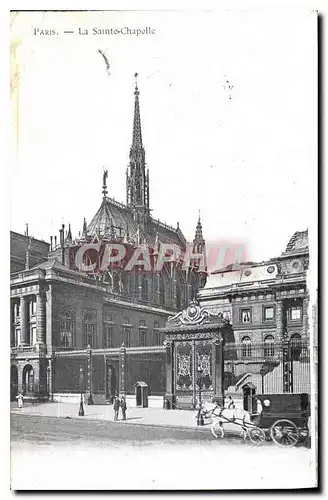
(140, 416)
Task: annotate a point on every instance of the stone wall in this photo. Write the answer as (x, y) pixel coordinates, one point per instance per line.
(78, 300)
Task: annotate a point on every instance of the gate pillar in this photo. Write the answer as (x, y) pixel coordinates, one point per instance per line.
(169, 398)
(218, 370)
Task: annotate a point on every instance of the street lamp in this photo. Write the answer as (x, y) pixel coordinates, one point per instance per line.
(262, 373)
(48, 388)
(200, 418)
(81, 408)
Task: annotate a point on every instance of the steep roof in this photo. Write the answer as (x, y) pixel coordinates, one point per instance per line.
(115, 220)
(298, 242)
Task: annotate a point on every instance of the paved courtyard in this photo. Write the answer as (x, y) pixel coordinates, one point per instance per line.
(93, 452)
(142, 416)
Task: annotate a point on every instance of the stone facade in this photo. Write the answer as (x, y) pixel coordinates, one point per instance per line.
(268, 305)
(267, 298)
(74, 327)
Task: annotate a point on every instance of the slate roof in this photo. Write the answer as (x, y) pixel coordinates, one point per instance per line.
(113, 219)
(299, 241)
(236, 266)
(53, 263)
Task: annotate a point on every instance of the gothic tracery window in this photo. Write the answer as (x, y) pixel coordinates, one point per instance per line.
(116, 280)
(161, 291)
(178, 296)
(144, 288)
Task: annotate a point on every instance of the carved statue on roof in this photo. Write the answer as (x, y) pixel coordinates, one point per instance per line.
(105, 175)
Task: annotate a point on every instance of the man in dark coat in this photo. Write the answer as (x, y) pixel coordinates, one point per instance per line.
(116, 407)
(123, 406)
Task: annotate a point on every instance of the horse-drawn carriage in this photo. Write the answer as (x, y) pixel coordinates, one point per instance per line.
(281, 417)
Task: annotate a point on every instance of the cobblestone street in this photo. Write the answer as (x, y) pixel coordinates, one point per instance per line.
(93, 454)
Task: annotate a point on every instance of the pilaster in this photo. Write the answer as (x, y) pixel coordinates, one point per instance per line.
(280, 320)
(49, 318)
(169, 373)
(305, 324)
(23, 321)
(40, 318)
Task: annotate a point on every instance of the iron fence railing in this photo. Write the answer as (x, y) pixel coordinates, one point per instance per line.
(270, 366)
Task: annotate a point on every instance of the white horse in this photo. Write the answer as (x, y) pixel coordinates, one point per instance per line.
(220, 417)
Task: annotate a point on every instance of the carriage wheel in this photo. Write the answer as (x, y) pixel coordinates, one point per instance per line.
(256, 435)
(285, 433)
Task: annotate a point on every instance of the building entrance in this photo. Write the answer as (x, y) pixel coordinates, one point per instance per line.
(13, 382)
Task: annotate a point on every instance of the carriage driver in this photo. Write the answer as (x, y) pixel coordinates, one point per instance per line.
(229, 403)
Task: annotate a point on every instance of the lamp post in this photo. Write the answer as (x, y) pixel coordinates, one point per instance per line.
(81, 408)
(200, 418)
(48, 389)
(262, 373)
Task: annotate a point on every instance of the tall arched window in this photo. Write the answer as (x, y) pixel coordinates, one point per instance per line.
(296, 347)
(178, 296)
(144, 288)
(161, 291)
(193, 288)
(66, 328)
(89, 328)
(246, 350)
(269, 346)
(116, 280)
(125, 284)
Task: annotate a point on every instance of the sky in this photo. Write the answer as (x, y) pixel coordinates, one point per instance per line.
(228, 110)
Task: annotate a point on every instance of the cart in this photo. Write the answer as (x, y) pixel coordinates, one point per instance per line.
(283, 418)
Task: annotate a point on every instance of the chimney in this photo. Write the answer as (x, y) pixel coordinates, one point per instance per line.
(26, 229)
(62, 231)
(27, 255)
(51, 247)
(55, 238)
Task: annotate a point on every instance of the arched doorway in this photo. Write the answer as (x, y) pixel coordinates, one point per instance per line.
(249, 400)
(28, 379)
(13, 382)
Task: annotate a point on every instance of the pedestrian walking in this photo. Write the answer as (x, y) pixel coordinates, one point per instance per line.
(123, 406)
(20, 400)
(116, 406)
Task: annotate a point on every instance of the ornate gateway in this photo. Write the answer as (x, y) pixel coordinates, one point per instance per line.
(194, 356)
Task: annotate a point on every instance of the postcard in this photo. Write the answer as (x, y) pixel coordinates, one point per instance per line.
(163, 250)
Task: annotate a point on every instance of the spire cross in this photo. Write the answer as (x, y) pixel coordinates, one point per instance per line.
(136, 78)
(105, 175)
